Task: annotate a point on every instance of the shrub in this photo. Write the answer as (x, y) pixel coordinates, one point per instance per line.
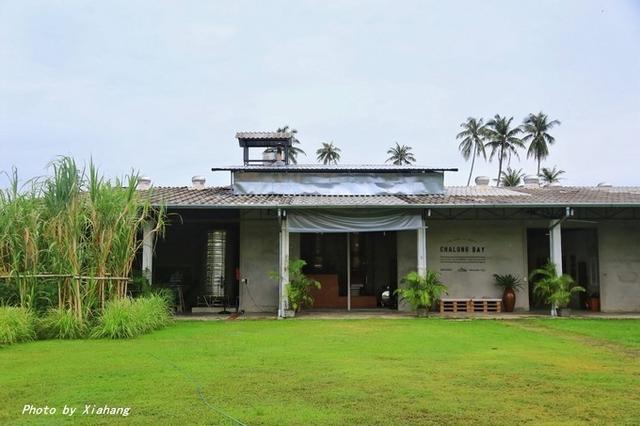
(126, 318)
(508, 281)
(16, 325)
(61, 324)
(421, 291)
(554, 289)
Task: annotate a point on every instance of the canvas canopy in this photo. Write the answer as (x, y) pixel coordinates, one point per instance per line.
(316, 221)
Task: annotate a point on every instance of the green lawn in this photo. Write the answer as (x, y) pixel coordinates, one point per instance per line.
(394, 371)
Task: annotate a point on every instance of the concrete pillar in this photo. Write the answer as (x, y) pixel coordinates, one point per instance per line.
(147, 251)
(555, 244)
(283, 265)
(422, 249)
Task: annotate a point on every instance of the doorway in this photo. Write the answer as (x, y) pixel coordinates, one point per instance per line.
(579, 260)
(356, 270)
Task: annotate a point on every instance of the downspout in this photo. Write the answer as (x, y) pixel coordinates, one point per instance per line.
(568, 212)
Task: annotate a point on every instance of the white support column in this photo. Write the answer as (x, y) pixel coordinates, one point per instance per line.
(147, 251)
(555, 244)
(422, 248)
(348, 271)
(283, 265)
(555, 251)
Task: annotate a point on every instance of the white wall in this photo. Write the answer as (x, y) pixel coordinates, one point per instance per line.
(619, 254)
(258, 257)
(494, 247)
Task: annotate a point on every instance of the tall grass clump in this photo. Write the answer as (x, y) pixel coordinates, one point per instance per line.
(16, 325)
(126, 318)
(60, 323)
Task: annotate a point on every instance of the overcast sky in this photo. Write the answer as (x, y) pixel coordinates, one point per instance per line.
(162, 87)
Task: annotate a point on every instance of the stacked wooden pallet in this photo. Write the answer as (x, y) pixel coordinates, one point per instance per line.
(454, 305)
(470, 305)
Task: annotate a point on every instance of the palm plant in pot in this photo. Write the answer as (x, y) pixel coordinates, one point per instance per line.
(421, 291)
(556, 290)
(299, 286)
(509, 284)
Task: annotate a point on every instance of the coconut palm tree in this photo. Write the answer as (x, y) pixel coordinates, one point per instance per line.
(400, 155)
(536, 128)
(550, 176)
(472, 145)
(512, 177)
(503, 140)
(293, 151)
(328, 154)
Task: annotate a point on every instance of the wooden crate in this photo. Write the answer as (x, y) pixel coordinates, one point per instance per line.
(454, 305)
(486, 305)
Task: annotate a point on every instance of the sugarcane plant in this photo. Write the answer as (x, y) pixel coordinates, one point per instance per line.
(75, 232)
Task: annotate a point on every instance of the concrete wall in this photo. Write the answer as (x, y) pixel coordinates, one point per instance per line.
(619, 254)
(258, 256)
(468, 253)
(407, 244)
(500, 247)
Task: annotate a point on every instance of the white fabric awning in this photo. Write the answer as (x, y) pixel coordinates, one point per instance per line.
(332, 221)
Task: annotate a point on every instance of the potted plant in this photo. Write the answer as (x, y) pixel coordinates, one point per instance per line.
(509, 284)
(421, 291)
(298, 287)
(556, 290)
(593, 302)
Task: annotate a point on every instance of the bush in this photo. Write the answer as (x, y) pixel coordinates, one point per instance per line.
(421, 291)
(61, 324)
(16, 325)
(126, 318)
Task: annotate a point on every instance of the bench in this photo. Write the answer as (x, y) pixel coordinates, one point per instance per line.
(483, 305)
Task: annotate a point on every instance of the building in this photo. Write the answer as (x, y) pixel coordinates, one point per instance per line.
(362, 228)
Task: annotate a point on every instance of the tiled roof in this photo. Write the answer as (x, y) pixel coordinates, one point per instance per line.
(263, 135)
(454, 197)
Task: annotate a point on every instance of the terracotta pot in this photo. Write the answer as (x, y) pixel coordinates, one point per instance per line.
(508, 299)
(594, 304)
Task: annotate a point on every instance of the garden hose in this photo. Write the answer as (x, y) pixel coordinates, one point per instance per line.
(196, 385)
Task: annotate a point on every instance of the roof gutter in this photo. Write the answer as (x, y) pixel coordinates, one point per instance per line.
(387, 206)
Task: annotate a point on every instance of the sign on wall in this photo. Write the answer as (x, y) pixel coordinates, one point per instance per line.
(463, 255)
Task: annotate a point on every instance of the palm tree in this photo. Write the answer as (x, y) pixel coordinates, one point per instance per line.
(512, 177)
(503, 140)
(400, 155)
(472, 144)
(536, 128)
(328, 154)
(550, 176)
(293, 151)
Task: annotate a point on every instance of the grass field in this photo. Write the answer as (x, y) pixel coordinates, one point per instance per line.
(394, 371)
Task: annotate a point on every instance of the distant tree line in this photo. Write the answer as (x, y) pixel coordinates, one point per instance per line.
(505, 141)
(497, 135)
(329, 153)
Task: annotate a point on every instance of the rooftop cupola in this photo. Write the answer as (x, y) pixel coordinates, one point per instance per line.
(275, 144)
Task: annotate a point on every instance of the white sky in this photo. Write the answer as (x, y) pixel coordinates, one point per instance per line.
(162, 87)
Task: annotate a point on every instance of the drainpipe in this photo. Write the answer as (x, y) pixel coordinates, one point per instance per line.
(555, 245)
